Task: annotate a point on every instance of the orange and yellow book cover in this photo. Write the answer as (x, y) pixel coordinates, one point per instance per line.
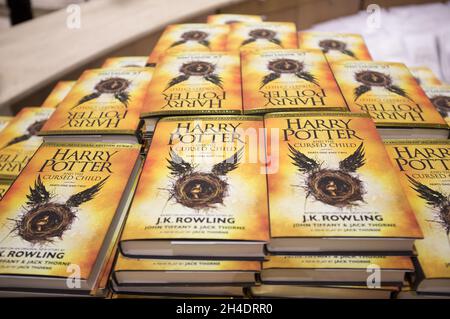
(288, 80)
(423, 168)
(4, 121)
(103, 101)
(189, 37)
(424, 76)
(19, 140)
(336, 46)
(58, 212)
(228, 18)
(263, 35)
(59, 92)
(388, 92)
(439, 95)
(4, 186)
(195, 83)
(125, 62)
(202, 180)
(335, 168)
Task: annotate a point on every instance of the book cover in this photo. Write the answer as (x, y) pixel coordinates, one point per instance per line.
(4, 121)
(189, 37)
(423, 168)
(19, 140)
(59, 92)
(388, 92)
(424, 76)
(57, 212)
(263, 35)
(195, 83)
(288, 80)
(439, 95)
(335, 168)
(233, 18)
(125, 62)
(336, 46)
(103, 101)
(201, 181)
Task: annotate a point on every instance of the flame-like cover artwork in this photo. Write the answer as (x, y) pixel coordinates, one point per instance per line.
(334, 166)
(263, 35)
(336, 46)
(201, 180)
(424, 76)
(58, 211)
(233, 18)
(195, 83)
(288, 80)
(188, 38)
(388, 92)
(439, 95)
(59, 92)
(19, 140)
(423, 167)
(103, 101)
(125, 62)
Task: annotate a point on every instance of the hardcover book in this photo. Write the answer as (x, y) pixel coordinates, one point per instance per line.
(202, 192)
(424, 76)
(423, 167)
(189, 37)
(288, 80)
(58, 93)
(59, 216)
(104, 105)
(263, 35)
(233, 18)
(19, 140)
(125, 62)
(195, 83)
(335, 167)
(439, 95)
(392, 97)
(4, 120)
(335, 46)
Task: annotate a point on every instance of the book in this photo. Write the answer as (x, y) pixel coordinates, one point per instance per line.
(103, 106)
(4, 185)
(125, 62)
(439, 95)
(4, 121)
(19, 140)
(288, 80)
(58, 217)
(335, 46)
(262, 35)
(334, 166)
(232, 18)
(423, 168)
(189, 37)
(391, 95)
(195, 83)
(202, 192)
(424, 76)
(335, 269)
(59, 92)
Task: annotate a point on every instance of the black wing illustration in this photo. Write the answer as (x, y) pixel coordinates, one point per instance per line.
(177, 165)
(38, 195)
(228, 164)
(87, 98)
(432, 197)
(303, 162)
(215, 79)
(176, 80)
(353, 161)
(86, 195)
(307, 77)
(269, 78)
(360, 90)
(397, 90)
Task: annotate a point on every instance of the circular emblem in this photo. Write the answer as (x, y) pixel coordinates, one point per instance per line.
(34, 128)
(335, 187)
(112, 85)
(199, 190)
(199, 68)
(373, 78)
(194, 35)
(262, 34)
(442, 103)
(45, 222)
(285, 66)
(332, 45)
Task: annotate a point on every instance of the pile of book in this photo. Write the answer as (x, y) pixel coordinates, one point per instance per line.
(240, 159)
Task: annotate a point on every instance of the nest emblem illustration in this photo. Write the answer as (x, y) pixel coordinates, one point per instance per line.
(436, 200)
(370, 79)
(196, 36)
(45, 219)
(200, 190)
(196, 68)
(262, 34)
(32, 130)
(442, 104)
(279, 67)
(335, 45)
(115, 86)
(335, 187)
